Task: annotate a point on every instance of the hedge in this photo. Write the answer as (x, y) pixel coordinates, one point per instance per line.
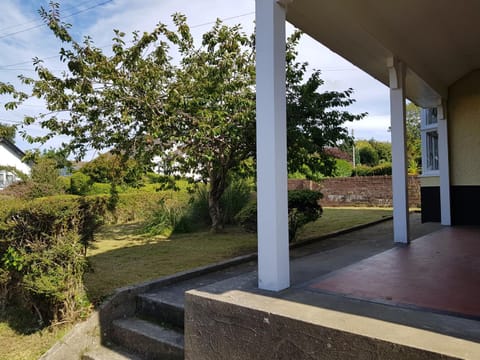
(42, 262)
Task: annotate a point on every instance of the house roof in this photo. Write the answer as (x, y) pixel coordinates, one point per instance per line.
(437, 39)
(12, 147)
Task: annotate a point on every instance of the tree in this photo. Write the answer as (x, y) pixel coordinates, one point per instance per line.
(315, 120)
(108, 168)
(413, 137)
(383, 150)
(197, 114)
(8, 132)
(368, 154)
(414, 143)
(215, 103)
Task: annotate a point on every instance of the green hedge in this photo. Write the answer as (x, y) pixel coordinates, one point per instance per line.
(382, 169)
(42, 262)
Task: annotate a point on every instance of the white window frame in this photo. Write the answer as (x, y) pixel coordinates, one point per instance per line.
(429, 126)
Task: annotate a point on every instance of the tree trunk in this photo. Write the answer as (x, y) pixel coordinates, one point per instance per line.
(217, 187)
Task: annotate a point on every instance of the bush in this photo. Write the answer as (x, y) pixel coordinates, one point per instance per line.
(99, 189)
(166, 218)
(80, 183)
(197, 215)
(135, 206)
(382, 169)
(303, 207)
(344, 168)
(42, 258)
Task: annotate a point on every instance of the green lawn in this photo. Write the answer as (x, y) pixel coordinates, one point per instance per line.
(122, 255)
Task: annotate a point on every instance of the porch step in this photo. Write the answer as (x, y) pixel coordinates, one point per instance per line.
(104, 353)
(150, 341)
(162, 307)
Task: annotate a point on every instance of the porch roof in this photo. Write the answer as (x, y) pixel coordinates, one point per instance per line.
(438, 40)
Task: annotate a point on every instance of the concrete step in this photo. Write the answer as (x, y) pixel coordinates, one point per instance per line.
(150, 341)
(104, 353)
(162, 307)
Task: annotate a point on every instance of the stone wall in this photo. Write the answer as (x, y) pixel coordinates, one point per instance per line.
(358, 190)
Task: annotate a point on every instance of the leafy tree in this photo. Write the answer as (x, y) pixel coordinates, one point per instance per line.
(198, 115)
(108, 168)
(383, 150)
(59, 157)
(8, 132)
(215, 102)
(414, 143)
(45, 178)
(413, 137)
(315, 120)
(368, 155)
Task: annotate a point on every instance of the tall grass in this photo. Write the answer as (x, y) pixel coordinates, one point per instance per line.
(172, 217)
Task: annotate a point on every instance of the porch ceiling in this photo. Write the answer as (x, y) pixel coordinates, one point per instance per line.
(439, 40)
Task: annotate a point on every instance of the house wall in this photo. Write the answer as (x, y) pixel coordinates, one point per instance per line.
(464, 143)
(7, 158)
(430, 195)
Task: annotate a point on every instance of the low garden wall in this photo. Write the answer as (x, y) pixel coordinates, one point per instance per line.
(359, 190)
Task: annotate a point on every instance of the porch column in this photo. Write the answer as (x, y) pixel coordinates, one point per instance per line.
(399, 155)
(273, 251)
(443, 165)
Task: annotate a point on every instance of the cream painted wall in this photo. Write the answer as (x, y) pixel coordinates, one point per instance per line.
(426, 181)
(464, 130)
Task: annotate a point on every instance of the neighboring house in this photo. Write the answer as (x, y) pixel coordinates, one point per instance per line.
(11, 156)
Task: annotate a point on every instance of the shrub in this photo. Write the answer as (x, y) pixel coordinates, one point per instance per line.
(99, 189)
(382, 169)
(303, 207)
(235, 197)
(135, 206)
(45, 178)
(80, 183)
(368, 155)
(166, 218)
(344, 168)
(41, 255)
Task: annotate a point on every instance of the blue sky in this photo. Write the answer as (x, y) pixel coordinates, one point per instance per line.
(22, 37)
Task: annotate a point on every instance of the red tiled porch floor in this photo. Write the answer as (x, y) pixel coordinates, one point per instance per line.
(439, 272)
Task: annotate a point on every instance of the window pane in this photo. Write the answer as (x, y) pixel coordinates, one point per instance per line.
(432, 150)
(9, 179)
(432, 116)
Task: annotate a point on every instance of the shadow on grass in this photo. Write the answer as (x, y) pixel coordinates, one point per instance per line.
(20, 320)
(123, 255)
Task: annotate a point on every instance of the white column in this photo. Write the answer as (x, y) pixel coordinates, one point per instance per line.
(444, 166)
(273, 251)
(399, 155)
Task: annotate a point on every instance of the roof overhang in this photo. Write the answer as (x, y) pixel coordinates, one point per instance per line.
(438, 40)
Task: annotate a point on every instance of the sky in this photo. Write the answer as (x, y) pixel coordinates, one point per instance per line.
(23, 36)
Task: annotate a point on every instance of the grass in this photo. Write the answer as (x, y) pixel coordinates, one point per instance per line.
(20, 338)
(123, 255)
(339, 218)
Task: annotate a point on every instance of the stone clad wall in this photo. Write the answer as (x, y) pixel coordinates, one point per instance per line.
(358, 190)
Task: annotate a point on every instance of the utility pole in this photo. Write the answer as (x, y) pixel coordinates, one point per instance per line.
(353, 151)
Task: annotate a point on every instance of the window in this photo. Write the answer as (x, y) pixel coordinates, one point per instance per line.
(430, 160)
(432, 151)
(431, 117)
(9, 179)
